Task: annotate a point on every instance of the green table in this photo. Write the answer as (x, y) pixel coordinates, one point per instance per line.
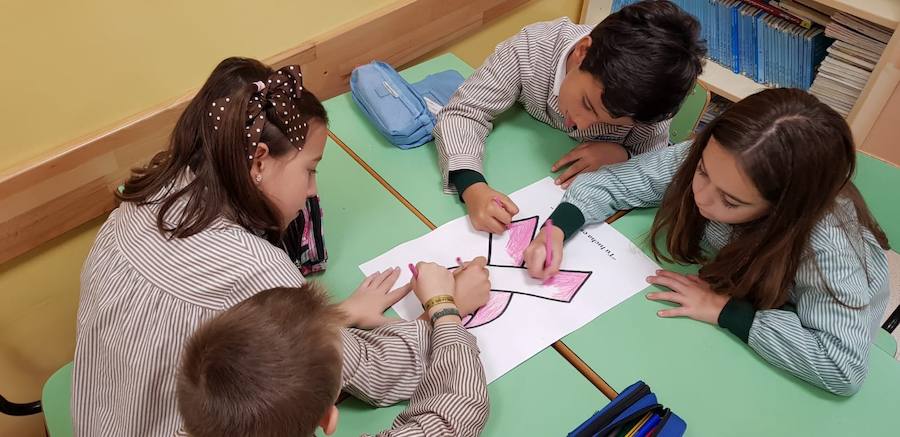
(361, 220)
(543, 396)
(699, 369)
(715, 382)
(415, 173)
(718, 384)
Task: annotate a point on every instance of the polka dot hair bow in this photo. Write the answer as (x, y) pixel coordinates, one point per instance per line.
(277, 92)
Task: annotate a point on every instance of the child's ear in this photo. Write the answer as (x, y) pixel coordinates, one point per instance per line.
(329, 421)
(581, 49)
(260, 156)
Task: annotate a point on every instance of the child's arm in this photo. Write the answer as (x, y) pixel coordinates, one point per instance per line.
(639, 182)
(465, 122)
(452, 399)
(824, 342)
(384, 366)
(645, 138)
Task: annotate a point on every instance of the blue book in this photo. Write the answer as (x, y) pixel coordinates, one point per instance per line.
(735, 37)
(775, 58)
(796, 61)
(792, 68)
(776, 51)
(720, 46)
(784, 41)
(795, 64)
(749, 41)
(748, 49)
(727, 38)
(712, 31)
(741, 22)
(771, 52)
(809, 69)
(762, 44)
(753, 42)
(724, 33)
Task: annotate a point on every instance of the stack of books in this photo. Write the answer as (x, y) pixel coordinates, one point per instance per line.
(850, 60)
(717, 105)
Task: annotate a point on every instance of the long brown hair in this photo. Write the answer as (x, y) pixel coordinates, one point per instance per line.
(217, 157)
(800, 155)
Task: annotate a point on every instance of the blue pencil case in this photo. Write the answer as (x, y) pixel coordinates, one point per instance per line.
(404, 113)
(634, 410)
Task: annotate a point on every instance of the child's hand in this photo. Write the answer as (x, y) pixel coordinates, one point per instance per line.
(433, 280)
(587, 157)
(536, 253)
(695, 297)
(484, 212)
(473, 287)
(366, 306)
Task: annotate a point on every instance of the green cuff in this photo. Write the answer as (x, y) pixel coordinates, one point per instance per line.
(737, 316)
(568, 218)
(462, 179)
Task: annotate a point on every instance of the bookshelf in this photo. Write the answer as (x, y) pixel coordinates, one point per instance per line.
(727, 83)
(876, 94)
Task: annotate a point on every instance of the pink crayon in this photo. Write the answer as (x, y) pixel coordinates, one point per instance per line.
(500, 204)
(548, 246)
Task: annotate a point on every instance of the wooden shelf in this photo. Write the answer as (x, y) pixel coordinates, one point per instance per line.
(726, 83)
(883, 12)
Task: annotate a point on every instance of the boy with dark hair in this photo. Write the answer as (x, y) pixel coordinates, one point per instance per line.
(274, 365)
(614, 88)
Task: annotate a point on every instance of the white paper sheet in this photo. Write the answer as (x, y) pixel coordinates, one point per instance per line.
(600, 269)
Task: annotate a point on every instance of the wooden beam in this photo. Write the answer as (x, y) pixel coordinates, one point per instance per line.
(44, 198)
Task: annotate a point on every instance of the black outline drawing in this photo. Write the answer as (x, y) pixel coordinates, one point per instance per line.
(522, 267)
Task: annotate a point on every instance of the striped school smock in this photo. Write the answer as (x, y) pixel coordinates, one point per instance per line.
(437, 369)
(815, 338)
(527, 68)
(142, 296)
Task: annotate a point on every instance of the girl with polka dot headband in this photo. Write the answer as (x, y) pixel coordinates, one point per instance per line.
(201, 228)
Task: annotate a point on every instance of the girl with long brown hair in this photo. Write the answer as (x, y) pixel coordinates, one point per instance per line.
(791, 260)
(198, 231)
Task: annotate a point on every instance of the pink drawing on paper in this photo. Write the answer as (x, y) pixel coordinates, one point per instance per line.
(520, 235)
(567, 284)
(561, 288)
(496, 305)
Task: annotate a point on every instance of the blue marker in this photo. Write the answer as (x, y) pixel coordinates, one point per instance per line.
(648, 426)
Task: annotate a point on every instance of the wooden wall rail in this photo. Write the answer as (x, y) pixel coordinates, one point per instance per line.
(47, 197)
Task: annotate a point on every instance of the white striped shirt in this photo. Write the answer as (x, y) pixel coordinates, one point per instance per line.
(438, 370)
(142, 296)
(821, 341)
(527, 68)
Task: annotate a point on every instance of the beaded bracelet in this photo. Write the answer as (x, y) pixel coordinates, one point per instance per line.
(443, 313)
(437, 300)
